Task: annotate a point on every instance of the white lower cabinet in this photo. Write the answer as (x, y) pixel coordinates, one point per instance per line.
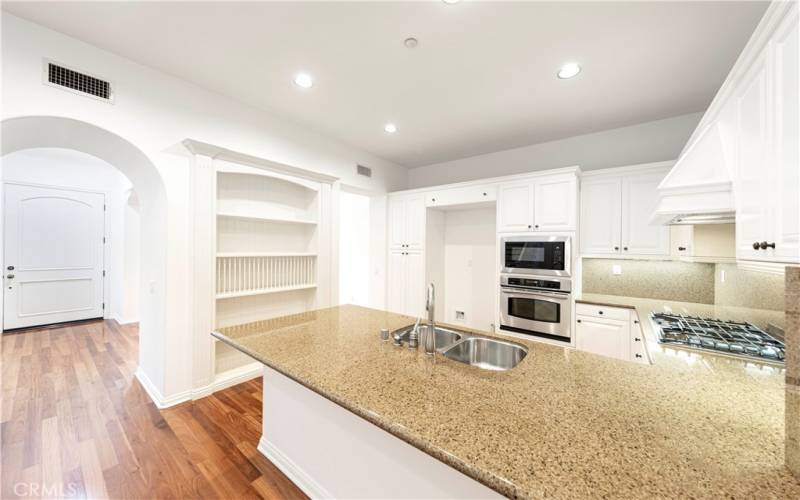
(610, 331)
(406, 280)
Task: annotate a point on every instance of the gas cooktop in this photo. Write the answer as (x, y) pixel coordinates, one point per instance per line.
(740, 339)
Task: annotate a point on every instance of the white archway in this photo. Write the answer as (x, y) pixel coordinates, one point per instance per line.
(57, 132)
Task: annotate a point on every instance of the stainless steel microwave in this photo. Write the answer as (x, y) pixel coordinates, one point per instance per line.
(541, 255)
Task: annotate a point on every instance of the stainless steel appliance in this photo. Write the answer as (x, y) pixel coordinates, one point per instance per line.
(536, 306)
(539, 255)
(728, 337)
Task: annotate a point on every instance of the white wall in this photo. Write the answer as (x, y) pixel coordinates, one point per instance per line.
(129, 312)
(643, 143)
(72, 169)
(354, 249)
(470, 267)
(155, 112)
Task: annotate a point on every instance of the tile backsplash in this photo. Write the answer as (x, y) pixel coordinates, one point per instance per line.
(685, 282)
(651, 279)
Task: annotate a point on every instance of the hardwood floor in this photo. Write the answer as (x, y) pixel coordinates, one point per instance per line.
(76, 423)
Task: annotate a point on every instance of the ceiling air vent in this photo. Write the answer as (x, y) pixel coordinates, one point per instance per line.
(75, 81)
(365, 171)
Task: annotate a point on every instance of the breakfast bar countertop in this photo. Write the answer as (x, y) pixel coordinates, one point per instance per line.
(561, 424)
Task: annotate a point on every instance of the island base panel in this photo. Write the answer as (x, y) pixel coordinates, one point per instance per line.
(330, 452)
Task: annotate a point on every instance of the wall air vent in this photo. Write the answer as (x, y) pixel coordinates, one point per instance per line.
(365, 171)
(75, 81)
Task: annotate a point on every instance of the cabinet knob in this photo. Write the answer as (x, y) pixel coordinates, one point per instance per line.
(625, 248)
(578, 321)
(529, 226)
(616, 248)
(681, 249)
(433, 199)
(756, 245)
(484, 194)
(599, 312)
(637, 339)
(10, 268)
(536, 226)
(764, 245)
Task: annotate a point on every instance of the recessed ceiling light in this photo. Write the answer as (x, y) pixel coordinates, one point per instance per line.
(390, 128)
(411, 42)
(450, 2)
(569, 70)
(303, 80)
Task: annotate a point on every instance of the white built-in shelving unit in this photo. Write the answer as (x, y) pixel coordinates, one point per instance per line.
(270, 234)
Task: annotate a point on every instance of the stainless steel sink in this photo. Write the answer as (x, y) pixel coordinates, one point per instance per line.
(488, 354)
(445, 337)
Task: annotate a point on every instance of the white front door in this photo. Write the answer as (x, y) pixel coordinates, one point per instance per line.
(53, 255)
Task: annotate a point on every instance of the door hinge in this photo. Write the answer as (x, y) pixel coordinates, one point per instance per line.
(104, 305)
(104, 207)
(104, 239)
(104, 273)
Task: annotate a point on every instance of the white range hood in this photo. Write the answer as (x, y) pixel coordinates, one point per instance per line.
(699, 188)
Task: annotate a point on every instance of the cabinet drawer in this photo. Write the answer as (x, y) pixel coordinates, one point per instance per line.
(602, 311)
(460, 196)
(638, 349)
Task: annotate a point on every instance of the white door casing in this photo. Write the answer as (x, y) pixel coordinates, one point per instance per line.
(53, 253)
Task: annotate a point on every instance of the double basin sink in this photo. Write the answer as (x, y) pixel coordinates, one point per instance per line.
(473, 350)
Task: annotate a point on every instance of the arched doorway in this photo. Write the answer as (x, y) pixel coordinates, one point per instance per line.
(32, 132)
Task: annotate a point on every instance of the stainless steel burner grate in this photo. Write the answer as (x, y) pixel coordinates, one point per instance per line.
(742, 339)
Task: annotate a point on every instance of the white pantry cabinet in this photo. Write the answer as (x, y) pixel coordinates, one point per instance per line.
(407, 222)
(406, 291)
(546, 203)
(616, 206)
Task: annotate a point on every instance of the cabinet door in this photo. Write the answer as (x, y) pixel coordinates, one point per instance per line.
(681, 240)
(607, 337)
(515, 207)
(639, 199)
(786, 204)
(397, 223)
(751, 212)
(396, 282)
(461, 196)
(415, 284)
(601, 213)
(415, 222)
(554, 204)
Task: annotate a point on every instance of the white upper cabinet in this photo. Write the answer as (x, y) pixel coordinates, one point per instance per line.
(601, 215)
(407, 222)
(639, 235)
(547, 203)
(751, 110)
(786, 217)
(555, 202)
(467, 195)
(616, 210)
(515, 207)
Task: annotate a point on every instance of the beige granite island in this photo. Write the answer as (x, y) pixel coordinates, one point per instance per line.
(562, 424)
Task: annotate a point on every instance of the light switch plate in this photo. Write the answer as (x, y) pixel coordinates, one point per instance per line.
(616, 269)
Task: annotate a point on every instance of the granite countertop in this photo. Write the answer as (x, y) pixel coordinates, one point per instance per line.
(562, 424)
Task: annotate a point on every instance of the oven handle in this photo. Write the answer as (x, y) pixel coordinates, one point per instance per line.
(509, 290)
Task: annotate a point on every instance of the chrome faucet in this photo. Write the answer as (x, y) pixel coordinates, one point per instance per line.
(430, 337)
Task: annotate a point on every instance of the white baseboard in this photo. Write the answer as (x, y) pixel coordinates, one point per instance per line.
(158, 399)
(229, 379)
(297, 475)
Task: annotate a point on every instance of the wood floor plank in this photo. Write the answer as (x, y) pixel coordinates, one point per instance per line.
(75, 418)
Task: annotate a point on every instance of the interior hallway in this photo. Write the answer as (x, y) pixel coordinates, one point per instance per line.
(76, 423)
